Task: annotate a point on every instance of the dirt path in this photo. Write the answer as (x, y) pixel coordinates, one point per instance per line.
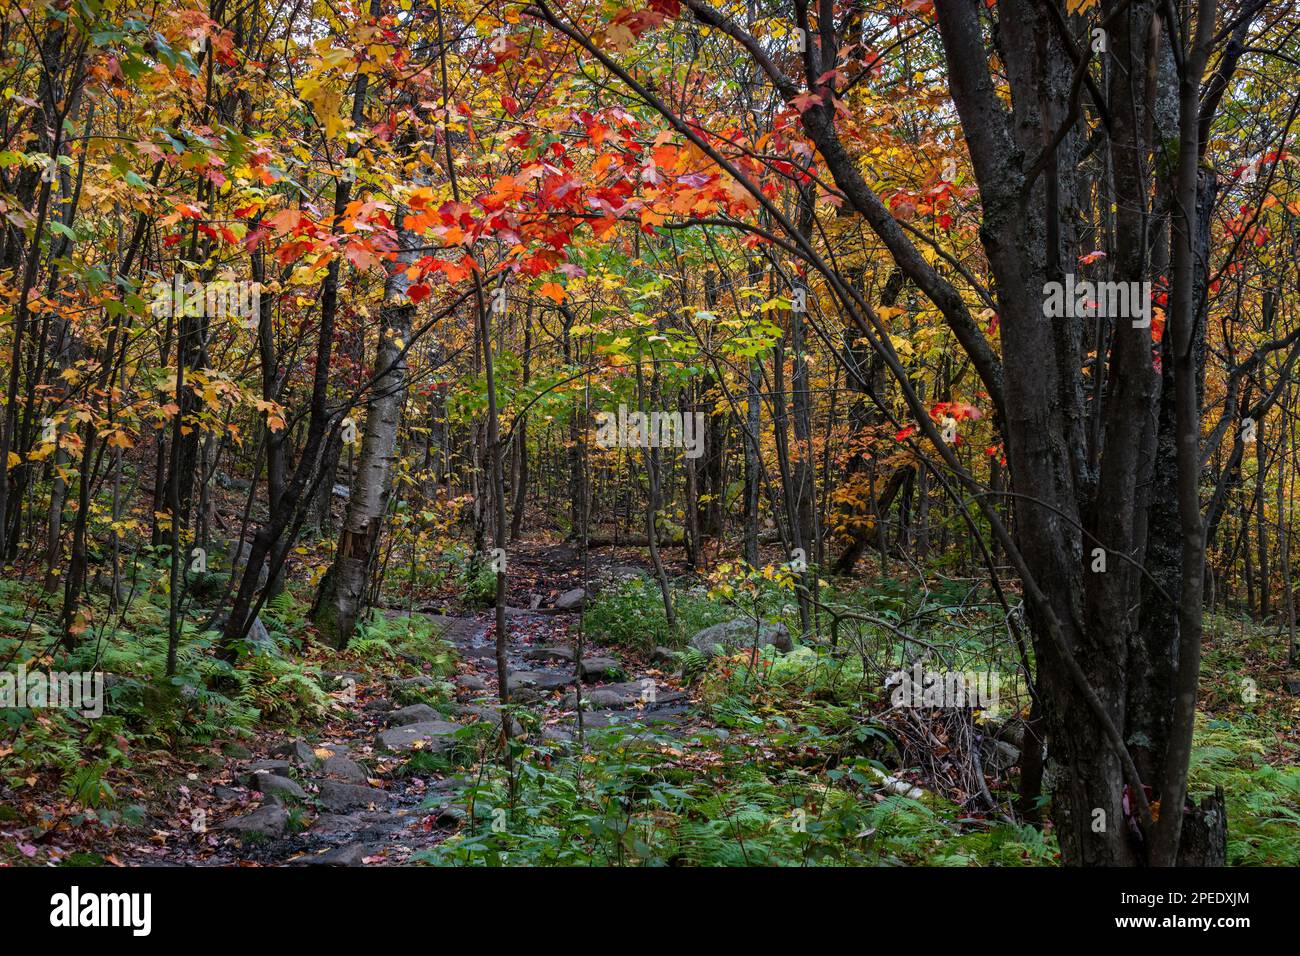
(348, 796)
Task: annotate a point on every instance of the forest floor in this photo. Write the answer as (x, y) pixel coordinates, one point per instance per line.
(783, 759)
(379, 781)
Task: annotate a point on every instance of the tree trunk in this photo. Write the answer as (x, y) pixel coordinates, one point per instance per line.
(341, 598)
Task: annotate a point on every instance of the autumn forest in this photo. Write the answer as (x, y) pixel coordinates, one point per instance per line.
(658, 433)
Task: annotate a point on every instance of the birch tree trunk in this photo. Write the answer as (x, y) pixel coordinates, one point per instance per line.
(341, 599)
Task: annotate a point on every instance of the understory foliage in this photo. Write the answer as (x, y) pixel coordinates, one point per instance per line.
(818, 793)
(895, 334)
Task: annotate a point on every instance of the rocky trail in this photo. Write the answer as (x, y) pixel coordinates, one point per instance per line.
(346, 795)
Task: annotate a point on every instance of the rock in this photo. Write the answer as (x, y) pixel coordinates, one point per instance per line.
(524, 612)
(998, 755)
(226, 794)
(572, 600)
(281, 767)
(274, 785)
(620, 572)
(663, 655)
(377, 705)
(557, 735)
(599, 719)
(544, 652)
(409, 683)
(351, 855)
(260, 638)
(341, 491)
(330, 824)
(437, 736)
(231, 483)
(341, 797)
(344, 768)
(263, 822)
(617, 696)
(232, 748)
(414, 714)
(471, 682)
(538, 680)
(299, 752)
(334, 680)
(600, 668)
(1291, 684)
(740, 635)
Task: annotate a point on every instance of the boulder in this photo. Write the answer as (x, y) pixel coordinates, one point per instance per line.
(663, 655)
(622, 572)
(411, 683)
(299, 752)
(538, 680)
(335, 680)
(339, 797)
(741, 635)
(414, 714)
(351, 855)
(263, 822)
(472, 683)
(615, 696)
(435, 735)
(600, 668)
(332, 824)
(281, 767)
(550, 652)
(258, 639)
(274, 786)
(344, 768)
(571, 600)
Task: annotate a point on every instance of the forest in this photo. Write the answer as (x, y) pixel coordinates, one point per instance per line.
(642, 433)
